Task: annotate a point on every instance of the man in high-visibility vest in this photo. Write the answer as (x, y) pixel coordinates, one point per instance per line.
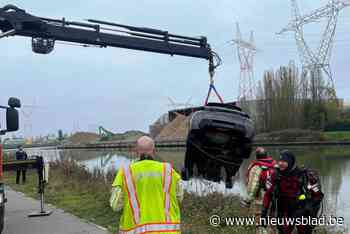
(149, 192)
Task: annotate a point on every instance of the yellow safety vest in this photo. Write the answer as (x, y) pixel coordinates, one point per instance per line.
(150, 204)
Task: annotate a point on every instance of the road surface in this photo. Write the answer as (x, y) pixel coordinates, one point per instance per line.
(59, 222)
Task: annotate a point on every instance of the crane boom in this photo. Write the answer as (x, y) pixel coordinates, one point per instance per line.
(45, 31)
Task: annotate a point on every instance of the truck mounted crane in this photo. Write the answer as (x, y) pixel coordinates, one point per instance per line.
(220, 135)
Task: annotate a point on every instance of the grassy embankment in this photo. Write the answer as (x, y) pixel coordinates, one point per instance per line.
(337, 136)
(74, 189)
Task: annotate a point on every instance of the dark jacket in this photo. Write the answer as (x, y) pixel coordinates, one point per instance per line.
(21, 155)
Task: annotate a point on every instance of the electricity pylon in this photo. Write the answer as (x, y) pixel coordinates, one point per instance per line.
(246, 51)
(318, 60)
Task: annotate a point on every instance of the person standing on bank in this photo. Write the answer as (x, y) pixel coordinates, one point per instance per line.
(148, 192)
(292, 192)
(257, 174)
(21, 155)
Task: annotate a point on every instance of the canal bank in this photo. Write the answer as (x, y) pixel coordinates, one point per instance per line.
(182, 144)
(164, 144)
(85, 194)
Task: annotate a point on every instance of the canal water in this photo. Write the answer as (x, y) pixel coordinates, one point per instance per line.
(333, 164)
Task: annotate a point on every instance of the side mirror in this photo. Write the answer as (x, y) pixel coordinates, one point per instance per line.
(14, 102)
(11, 119)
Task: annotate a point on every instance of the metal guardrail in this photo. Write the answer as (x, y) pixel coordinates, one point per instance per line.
(310, 143)
(182, 144)
(121, 144)
(7, 147)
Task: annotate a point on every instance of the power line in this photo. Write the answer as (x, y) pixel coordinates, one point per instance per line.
(319, 59)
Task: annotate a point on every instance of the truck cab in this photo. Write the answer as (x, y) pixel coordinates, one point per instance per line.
(12, 124)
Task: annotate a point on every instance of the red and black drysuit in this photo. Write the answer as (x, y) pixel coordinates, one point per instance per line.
(284, 188)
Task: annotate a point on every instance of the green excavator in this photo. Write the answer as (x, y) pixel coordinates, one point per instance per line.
(105, 135)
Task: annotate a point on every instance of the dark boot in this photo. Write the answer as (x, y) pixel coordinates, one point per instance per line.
(24, 176)
(18, 176)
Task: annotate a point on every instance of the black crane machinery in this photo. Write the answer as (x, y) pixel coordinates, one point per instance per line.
(44, 32)
(220, 135)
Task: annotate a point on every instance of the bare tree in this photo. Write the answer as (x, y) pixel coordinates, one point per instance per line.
(287, 99)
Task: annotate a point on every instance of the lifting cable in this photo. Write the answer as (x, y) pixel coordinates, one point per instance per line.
(213, 157)
(212, 67)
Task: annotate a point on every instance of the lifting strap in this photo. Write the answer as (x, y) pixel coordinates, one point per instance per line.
(212, 87)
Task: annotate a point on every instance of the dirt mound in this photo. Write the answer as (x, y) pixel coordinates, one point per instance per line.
(132, 135)
(83, 137)
(175, 130)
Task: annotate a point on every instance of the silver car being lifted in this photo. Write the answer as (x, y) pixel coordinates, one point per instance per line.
(219, 139)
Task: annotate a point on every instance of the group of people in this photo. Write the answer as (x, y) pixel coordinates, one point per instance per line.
(149, 192)
(282, 190)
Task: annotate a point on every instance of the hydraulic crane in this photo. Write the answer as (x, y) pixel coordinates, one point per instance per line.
(45, 32)
(219, 136)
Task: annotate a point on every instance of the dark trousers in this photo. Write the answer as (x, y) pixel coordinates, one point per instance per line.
(18, 176)
(301, 229)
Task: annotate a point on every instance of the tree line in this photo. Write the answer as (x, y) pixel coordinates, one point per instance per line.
(287, 98)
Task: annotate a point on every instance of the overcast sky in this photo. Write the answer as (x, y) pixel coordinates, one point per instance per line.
(77, 88)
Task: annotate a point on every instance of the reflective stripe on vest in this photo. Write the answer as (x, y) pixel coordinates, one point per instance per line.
(167, 175)
(133, 201)
(153, 227)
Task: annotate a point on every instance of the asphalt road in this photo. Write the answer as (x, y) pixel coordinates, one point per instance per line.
(17, 221)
